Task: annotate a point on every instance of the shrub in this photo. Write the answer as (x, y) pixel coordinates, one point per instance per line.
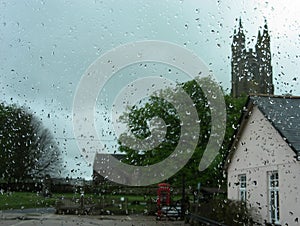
(228, 212)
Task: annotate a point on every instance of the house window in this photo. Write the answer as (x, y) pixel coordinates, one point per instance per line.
(242, 188)
(274, 196)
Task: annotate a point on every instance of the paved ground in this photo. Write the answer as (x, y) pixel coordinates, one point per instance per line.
(46, 217)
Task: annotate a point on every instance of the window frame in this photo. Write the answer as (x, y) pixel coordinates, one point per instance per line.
(242, 187)
(273, 194)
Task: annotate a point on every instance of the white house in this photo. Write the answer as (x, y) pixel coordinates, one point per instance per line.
(263, 166)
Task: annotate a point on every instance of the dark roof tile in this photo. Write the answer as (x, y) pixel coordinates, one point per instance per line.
(284, 114)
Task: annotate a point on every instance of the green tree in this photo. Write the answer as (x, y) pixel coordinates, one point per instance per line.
(27, 148)
(137, 120)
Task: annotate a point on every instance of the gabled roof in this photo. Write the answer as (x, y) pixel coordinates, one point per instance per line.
(283, 112)
(101, 156)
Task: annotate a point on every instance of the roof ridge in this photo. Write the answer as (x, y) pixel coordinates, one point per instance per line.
(274, 96)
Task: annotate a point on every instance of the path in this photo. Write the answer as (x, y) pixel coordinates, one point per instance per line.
(44, 218)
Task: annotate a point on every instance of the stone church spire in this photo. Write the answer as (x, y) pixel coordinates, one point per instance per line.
(251, 71)
(238, 50)
(239, 37)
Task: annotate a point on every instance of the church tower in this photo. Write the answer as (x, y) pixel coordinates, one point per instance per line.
(251, 70)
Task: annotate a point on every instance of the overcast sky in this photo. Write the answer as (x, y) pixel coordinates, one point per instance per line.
(46, 46)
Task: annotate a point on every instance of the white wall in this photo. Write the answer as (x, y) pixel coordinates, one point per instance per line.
(262, 149)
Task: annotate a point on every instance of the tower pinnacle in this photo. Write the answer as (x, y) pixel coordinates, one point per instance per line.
(251, 70)
(266, 25)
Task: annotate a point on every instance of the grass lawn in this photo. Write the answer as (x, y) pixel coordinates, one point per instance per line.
(111, 202)
(23, 200)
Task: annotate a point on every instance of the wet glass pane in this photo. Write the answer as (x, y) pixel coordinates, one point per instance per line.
(102, 101)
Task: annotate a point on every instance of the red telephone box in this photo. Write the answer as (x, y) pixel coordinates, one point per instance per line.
(163, 197)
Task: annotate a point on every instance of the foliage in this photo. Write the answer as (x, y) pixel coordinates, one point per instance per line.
(228, 212)
(27, 148)
(137, 120)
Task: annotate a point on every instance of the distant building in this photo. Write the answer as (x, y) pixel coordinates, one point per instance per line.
(251, 70)
(101, 159)
(263, 166)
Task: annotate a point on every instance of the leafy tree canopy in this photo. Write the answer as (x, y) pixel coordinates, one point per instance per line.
(27, 148)
(137, 119)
